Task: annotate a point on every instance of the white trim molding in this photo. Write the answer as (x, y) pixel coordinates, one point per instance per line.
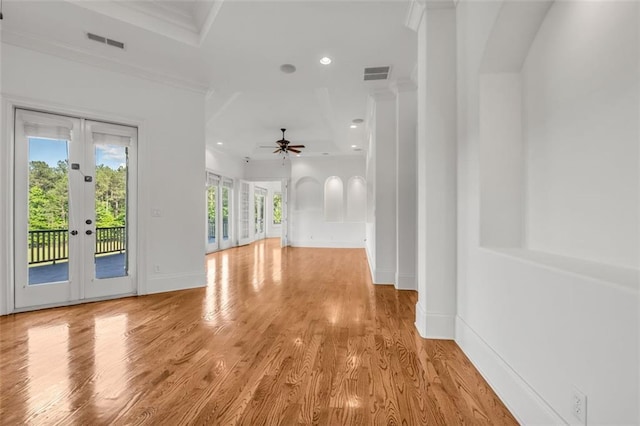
(519, 396)
(161, 18)
(174, 282)
(88, 57)
(384, 276)
(434, 325)
(406, 282)
(415, 13)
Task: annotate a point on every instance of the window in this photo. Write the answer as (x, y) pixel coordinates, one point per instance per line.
(277, 208)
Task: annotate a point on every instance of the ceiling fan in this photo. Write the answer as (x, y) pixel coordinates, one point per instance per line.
(284, 147)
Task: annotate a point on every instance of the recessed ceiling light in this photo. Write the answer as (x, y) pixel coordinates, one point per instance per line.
(357, 121)
(220, 143)
(298, 155)
(325, 60)
(288, 68)
(354, 146)
(354, 126)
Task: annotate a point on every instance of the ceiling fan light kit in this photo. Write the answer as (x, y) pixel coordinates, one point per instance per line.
(284, 146)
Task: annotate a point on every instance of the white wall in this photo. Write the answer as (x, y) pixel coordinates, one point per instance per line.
(171, 145)
(224, 165)
(536, 330)
(256, 170)
(308, 225)
(581, 103)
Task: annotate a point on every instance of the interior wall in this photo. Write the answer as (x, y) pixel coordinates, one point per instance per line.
(538, 331)
(171, 173)
(224, 165)
(580, 84)
(308, 225)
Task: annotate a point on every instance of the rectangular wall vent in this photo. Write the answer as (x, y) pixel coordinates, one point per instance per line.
(105, 40)
(115, 43)
(376, 73)
(97, 38)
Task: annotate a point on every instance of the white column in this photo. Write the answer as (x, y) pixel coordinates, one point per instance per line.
(436, 154)
(384, 141)
(5, 200)
(406, 105)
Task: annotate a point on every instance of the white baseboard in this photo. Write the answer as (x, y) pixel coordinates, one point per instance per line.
(518, 396)
(434, 326)
(406, 282)
(384, 276)
(326, 244)
(173, 282)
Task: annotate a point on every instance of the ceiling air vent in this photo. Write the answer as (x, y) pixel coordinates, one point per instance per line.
(376, 73)
(105, 40)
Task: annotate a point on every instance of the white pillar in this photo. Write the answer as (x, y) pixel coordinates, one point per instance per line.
(5, 200)
(406, 105)
(384, 187)
(436, 154)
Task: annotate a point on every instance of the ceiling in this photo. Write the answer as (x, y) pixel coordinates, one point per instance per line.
(232, 51)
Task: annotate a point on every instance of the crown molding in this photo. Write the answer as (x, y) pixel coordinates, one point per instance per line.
(400, 86)
(65, 51)
(441, 4)
(159, 18)
(415, 13)
(383, 95)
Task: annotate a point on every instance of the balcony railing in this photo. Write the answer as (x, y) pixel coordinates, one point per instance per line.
(211, 229)
(52, 245)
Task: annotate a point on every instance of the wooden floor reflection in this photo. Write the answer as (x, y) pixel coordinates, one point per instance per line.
(278, 336)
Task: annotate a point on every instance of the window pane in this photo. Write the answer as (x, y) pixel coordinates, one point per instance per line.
(277, 208)
(225, 213)
(111, 210)
(48, 245)
(211, 213)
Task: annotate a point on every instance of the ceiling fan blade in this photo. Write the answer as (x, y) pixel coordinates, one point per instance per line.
(297, 146)
(265, 146)
(277, 150)
(297, 151)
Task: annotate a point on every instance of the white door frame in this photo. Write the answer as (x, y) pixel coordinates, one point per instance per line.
(228, 184)
(265, 193)
(245, 208)
(7, 172)
(284, 190)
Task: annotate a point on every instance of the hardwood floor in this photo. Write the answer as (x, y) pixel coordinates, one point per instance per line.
(278, 336)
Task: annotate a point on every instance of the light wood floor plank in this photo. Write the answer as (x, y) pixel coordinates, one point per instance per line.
(289, 336)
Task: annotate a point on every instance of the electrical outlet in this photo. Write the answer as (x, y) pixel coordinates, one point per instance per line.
(579, 405)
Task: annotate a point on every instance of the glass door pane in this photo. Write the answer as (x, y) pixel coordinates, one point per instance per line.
(225, 213)
(111, 184)
(211, 213)
(48, 210)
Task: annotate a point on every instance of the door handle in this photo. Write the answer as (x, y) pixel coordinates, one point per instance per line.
(88, 222)
(74, 232)
(88, 232)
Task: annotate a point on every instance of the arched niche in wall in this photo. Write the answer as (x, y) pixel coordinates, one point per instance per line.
(333, 199)
(308, 194)
(356, 199)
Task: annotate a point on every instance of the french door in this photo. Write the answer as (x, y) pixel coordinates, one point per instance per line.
(219, 212)
(245, 216)
(260, 212)
(75, 192)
